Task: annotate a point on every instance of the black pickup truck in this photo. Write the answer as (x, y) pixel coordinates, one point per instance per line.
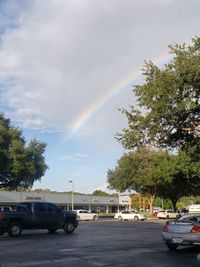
(37, 215)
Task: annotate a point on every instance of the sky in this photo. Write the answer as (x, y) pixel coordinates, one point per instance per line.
(68, 66)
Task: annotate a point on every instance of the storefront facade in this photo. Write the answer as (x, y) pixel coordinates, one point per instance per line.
(64, 200)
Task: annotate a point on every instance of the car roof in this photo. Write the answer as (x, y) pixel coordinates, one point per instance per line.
(188, 215)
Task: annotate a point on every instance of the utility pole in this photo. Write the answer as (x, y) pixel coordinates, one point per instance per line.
(72, 182)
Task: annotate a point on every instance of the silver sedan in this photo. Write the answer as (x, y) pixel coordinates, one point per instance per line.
(184, 231)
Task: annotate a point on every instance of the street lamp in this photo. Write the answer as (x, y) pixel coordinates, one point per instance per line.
(72, 181)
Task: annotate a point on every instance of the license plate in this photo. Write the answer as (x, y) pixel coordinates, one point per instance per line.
(177, 240)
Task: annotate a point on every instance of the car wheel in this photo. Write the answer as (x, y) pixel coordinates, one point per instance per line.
(171, 246)
(95, 218)
(78, 218)
(136, 218)
(52, 230)
(120, 218)
(69, 227)
(15, 229)
(167, 217)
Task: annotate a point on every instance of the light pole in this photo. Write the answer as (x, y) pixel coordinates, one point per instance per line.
(72, 181)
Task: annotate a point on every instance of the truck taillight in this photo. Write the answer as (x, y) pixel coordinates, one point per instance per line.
(195, 229)
(165, 229)
(1, 216)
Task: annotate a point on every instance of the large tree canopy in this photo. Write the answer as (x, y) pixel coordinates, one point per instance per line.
(170, 102)
(143, 170)
(20, 164)
(155, 173)
(167, 116)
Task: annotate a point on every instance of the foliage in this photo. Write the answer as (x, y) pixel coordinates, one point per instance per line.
(170, 102)
(100, 193)
(20, 164)
(167, 116)
(143, 170)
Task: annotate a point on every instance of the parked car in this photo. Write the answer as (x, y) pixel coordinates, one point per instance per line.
(184, 231)
(167, 214)
(37, 215)
(129, 215)
(5, 208)
(85, 215)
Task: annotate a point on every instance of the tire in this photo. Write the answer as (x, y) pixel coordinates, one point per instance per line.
(120, 218)
(136, 218)
(15, 229)
(167, 217)
(69, 227)
(78, 218)
(95, 218)
(52, 230)
(171, 246)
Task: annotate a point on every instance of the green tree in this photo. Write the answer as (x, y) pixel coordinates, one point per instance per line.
(155, 173)
(100, 193)
(170, 102)
(168, 116)
(143, 170)
(20, 164)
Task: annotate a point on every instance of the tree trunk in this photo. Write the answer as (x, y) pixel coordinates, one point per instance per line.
(150, 201)
(174, 201)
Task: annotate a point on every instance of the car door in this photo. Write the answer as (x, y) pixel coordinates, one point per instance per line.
(87, 215)
(41, 216)
(27, 213)
(125, 215)
(54, 215)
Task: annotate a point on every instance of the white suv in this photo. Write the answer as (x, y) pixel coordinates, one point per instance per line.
(85, 215)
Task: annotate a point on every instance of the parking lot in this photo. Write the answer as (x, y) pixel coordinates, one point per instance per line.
(100, 243)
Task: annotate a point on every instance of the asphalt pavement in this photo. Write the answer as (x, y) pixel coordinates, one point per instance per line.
(101, 243)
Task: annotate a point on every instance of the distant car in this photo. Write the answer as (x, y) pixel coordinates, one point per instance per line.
(2, 208)
(167, 214)
(184, 231)
(129, 215)
(85, 215)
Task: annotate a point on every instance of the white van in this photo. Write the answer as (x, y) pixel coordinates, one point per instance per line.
(194, 208)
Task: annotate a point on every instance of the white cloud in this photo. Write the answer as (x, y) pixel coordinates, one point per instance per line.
(64, 55)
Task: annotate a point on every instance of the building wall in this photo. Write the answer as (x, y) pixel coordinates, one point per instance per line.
(95, 203)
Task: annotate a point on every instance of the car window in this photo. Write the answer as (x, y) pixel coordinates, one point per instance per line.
(24, 206)
(52, 208)
(6, 209)
(41, 207)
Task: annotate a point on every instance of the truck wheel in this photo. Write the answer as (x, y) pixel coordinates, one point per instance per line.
(69, 227)
(15, 229)
(52, 230)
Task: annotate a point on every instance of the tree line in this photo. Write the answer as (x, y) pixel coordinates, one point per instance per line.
(162, 137)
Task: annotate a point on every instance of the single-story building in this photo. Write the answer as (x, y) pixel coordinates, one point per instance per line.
(68, 200)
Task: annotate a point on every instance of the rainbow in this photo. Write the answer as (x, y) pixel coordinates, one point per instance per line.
(84, 116)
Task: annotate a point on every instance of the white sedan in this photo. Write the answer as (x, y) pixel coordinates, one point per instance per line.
(85, 215)
(129, 215)
(167, 214)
